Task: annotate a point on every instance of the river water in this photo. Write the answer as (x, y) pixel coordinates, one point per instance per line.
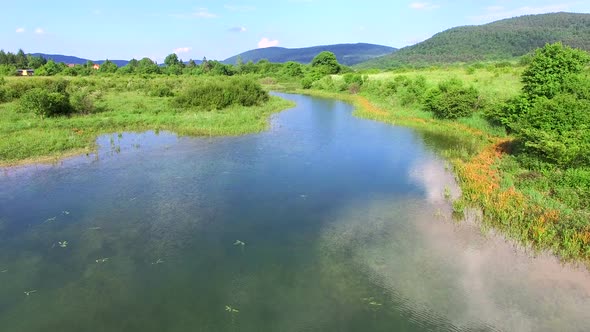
(326, 222)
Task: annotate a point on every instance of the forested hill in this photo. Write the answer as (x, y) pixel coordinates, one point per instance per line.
(347, 54)
(500, 40)
(75, 60)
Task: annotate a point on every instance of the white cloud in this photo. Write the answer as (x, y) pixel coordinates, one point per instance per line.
(423, 6)
(265, 42)
(20, 30)
(495, 13)
(239, 8)
(182, 50)
(39, 31)
(203, 13)
(237, 29)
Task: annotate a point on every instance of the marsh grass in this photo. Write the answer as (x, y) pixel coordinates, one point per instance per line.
(125, 106)
(539, 205)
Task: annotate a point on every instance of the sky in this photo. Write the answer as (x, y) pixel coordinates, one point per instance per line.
(218, 29)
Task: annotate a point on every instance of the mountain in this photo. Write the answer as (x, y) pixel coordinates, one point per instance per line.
(500, 40)
(347, 54)
(75, 60)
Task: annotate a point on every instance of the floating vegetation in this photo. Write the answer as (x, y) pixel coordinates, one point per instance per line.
(439, 214)
(30, 292)
(447, 193)
(159, 261)
(102, 260)
(63, 244)
(241, 244)
(50, 219)
(231, 309)
(370, 301)
(65, 212)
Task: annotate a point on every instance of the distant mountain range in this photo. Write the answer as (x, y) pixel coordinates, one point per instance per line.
(75, 60)
(347, 54)
(500, 40)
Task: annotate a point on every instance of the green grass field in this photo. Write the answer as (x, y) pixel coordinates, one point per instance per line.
(25, 137)
(542, 205)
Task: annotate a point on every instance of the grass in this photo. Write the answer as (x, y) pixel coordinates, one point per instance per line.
(542, 207)
(26, 138)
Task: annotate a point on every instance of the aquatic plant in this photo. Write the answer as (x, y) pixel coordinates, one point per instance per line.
(231, 309)
(49, 219)
(241, 244)
(158, 261)
(30, 292)
(63, 244)
(447, 193)
(102, 260)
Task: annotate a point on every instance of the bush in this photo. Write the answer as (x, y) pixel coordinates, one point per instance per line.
(45, 103)
(411, 91)
(556, 130)
(219, 93)
(451, 100)
(549, 67)
(84, 100)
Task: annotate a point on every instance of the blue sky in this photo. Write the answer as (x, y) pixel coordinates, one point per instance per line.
(222, 28)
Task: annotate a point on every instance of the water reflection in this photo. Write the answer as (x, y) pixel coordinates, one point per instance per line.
(346, 225)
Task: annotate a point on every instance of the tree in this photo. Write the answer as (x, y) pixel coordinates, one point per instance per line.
(21, 59)
(108, 67)
(192, 63)
(147, 66)
(549, 67)
(36, 61)
(171, 60)
(550, 117)
(326, 63)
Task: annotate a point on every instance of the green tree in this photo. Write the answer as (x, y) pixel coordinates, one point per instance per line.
(326, 63)
(172, 60)
(549, 67)
(36, 61)
(21, 59)
(147, 66)
(108, 67)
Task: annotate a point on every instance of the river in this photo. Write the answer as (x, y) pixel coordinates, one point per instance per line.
(325, 222)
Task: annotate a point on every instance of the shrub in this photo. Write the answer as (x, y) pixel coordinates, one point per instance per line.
(451, 100)
(549, 67)
(45, 103)
(556, 130)
(220, 93)
(411, 91)
(84, 100)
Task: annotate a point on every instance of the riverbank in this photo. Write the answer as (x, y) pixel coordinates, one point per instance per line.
(513, 199)
(26, 138)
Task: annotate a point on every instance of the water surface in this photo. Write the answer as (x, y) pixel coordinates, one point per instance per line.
(325, 222)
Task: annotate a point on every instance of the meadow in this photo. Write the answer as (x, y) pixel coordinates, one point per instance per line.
(103, 105)
(542, 205)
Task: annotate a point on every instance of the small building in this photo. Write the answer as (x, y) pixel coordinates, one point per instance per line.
(71, 65)
(25, 72)
(96, 66)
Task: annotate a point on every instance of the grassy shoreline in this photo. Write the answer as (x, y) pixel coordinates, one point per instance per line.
(25, 138)
(483, 169)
